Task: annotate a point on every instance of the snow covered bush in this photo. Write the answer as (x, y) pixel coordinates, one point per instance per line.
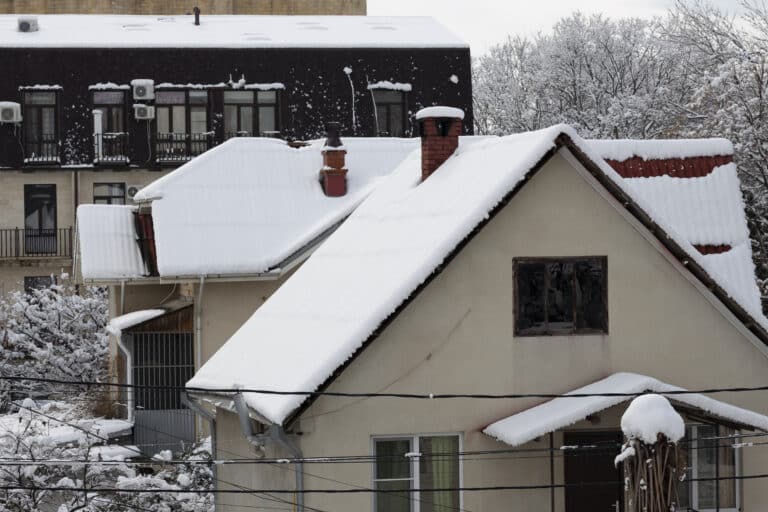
(53, 333)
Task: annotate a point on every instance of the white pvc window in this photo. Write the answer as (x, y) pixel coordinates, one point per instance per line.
(409, 466)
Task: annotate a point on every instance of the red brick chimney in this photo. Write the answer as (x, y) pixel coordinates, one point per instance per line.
(333, 175)
(440, 128)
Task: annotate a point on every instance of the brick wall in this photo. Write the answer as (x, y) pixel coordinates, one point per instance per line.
(437, 147)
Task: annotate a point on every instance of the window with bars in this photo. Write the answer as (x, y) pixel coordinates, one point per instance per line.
(251, 113)
(161, 360)
(561, 296)
(182, 124)
(41, 127)
(407, 467)
(109, 193)
(390, 112)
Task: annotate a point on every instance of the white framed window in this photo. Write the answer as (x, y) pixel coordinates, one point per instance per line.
(711, 455)
(408, 466)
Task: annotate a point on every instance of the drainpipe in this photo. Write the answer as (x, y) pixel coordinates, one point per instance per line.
(211, 418)
(128, 356)
(277, 435)
(199, 333)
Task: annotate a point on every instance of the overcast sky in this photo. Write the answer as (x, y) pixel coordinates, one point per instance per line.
(485, 22)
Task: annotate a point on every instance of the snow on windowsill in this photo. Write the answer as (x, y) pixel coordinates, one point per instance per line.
(40, 87)
(390, 86)
(108, 86)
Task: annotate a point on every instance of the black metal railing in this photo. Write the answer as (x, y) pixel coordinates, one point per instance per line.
(110, 147)
(35, 243)
(180, 147)
(273, 134)
(41, 149)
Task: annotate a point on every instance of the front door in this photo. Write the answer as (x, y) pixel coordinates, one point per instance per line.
(593, 483)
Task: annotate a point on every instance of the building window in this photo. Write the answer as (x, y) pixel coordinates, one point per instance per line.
(250, 113)
(32, 283)
(182, 124)
(561, 296)
(39, 219)
(710, 455)
(417, 463)
(390, 112)
(109, 193)
(41, 130)
(111, 142)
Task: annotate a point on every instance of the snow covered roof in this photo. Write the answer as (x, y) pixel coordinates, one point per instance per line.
(107, 242)
(249, 204)
(623, 149)
(128, 320)
(392, 244)
(217, 31)
(562, 412)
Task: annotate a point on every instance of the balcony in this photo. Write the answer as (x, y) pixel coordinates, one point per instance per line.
(110, 148)
(43, 149)
(181, 147)
(17, 243)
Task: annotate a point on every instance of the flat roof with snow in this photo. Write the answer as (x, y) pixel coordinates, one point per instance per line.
(241, 31)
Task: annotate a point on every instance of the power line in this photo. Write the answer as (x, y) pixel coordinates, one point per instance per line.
(419, 396)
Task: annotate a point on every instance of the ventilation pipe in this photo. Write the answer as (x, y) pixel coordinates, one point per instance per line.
(196, 10)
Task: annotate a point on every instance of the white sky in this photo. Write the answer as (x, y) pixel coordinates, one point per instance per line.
(485, 22)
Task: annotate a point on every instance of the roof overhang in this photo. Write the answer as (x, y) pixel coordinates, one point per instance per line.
(576, 405)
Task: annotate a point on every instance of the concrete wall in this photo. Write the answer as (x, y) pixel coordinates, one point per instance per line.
(457, 336)
(183, 6)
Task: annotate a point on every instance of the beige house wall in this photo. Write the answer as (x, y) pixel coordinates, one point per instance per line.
(183, 6)
(457, 336)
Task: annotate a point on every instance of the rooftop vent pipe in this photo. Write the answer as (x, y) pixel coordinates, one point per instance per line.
(196, 10)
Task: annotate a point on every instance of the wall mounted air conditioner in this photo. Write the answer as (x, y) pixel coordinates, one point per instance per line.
(28, 24)
(10, 112)
(143, 112)
(143, 89)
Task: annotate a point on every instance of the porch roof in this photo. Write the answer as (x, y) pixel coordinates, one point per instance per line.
(562, 412)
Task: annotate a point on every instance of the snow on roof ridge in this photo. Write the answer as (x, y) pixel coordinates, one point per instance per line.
(558, 413)
(652, 149)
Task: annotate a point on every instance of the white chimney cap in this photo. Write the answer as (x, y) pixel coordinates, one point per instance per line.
(449, 112)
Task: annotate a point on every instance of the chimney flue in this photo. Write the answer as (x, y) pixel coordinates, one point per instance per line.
(440, 128)
(196, 10)
(333, 175)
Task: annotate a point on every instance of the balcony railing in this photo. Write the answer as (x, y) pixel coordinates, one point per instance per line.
(180, 147)
(17, 243)
(41, 149)
(110, 148)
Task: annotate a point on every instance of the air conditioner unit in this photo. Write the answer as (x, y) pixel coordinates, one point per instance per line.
(10, 112)
(28, 24)
(143, 89)
(143, 112)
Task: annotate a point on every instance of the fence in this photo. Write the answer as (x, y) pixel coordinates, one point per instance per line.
(35, 243)
(110, 147)
(180, 147)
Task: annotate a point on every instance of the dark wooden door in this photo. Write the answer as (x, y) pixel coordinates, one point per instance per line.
(602, 489)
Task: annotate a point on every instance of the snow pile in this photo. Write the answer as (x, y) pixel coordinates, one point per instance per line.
(649, 416)
(624, 149)
(708, 210)
(107, 242)
(108, 86)
(248, 205)
(128, 320)
(451, 112)
(562, 412)
(390, 86)
(240, 31)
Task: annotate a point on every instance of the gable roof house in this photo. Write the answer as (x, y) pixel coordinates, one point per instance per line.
(539, 265)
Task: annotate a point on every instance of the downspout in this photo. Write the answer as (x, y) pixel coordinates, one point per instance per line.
(128, 357)
(199, 325)
(211, 418)
(276, 434)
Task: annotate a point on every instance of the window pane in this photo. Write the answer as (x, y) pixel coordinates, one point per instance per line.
(241, 97)
(387, 96)
(230, 119)
(383, 118)
(163, 120)
(116, 120)
(589, 293)
(49, 121)
(393, 501)
(391, 461)
(40, 206)
(395, 121)
(530, 296)
(560, 296)
(170, 97)
(40, 98)
(266, 119)
(267, 97)
(179, 115)
(197, 118)
(198, 97)
(108, 98)
(246, 120)
(439, 471)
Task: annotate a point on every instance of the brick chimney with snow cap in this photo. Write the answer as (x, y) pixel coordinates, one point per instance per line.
(333, 175)
(440, 128)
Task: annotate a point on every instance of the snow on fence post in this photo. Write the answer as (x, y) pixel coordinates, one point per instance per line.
(650, 455)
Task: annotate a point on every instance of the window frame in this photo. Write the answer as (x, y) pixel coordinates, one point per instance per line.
(109, 199)
(414, 439)
(403, 104)
(29, 280)
(38, 109)
(256, 107)
(694, 470)
(107, 109)
(188, 106)
(574, 331)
